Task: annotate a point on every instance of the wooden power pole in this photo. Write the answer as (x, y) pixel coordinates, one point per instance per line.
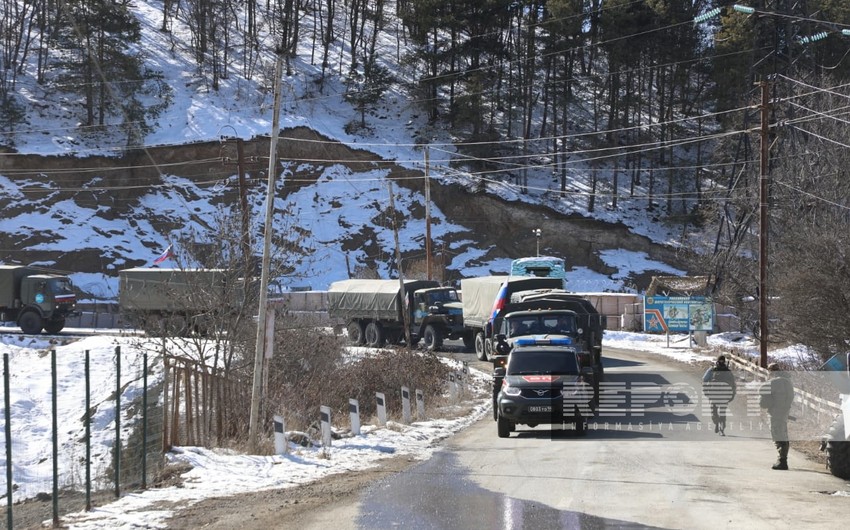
(427, 213)
(764, 175)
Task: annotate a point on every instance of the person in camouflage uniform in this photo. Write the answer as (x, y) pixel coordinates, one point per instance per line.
(719, 387)
(777, 395)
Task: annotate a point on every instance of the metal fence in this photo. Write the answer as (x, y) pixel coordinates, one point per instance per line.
(94, 424)
(69, 406)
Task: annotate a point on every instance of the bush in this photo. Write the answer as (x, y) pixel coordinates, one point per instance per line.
(311, 368)
(387, 371)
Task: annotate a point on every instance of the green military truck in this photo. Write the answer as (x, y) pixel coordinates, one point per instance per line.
(373, 312)
(485, 297)
(178, 301)
(587, 317)
(36, 299)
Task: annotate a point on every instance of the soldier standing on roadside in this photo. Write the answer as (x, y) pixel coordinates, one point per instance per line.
(777, 394)
(719, 387)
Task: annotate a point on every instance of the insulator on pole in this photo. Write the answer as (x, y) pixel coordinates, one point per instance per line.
(707, 15)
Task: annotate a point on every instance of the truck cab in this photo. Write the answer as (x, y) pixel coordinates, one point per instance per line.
(544, 326)
(49, 299)
(438, 315)
(558, 330)
(36, 299)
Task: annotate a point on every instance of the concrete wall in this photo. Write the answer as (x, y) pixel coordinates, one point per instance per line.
(614, 306)
(623, 311)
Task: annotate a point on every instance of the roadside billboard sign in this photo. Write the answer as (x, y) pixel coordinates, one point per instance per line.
(664, 314)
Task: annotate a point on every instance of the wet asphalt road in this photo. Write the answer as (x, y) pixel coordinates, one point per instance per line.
(653, 466)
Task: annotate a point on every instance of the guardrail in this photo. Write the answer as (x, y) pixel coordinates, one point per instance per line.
(802, 397)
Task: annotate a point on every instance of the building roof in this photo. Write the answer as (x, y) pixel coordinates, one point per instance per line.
(680, 286)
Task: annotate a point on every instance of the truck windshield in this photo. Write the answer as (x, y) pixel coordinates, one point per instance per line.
(542, 362)
(559, 324)
(449, 295)
(524, 326)
(59, 286)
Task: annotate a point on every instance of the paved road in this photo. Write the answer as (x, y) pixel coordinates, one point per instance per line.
(659, 465)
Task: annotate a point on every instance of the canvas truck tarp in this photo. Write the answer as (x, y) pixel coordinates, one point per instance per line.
(374, 299)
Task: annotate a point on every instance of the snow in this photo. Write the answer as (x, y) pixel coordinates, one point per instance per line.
(217, 472)
(338, 198)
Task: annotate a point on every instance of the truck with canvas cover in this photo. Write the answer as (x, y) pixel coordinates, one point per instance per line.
(178, 301)
(539, 267)
(556, 329)
(374, 312)
(588, 317)
(485, 296)
(36, 299)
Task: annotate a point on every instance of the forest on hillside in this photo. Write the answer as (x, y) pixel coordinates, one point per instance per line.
(685, 108)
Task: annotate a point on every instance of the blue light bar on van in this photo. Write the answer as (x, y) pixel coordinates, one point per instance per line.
(530, 341)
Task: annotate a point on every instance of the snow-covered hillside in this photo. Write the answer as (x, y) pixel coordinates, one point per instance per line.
(340, 203)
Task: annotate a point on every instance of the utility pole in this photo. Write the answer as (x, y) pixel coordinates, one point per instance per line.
(243, 204)
(259, 350)
(537, 233)
(405, 310)
(427, 213)
(764, 175)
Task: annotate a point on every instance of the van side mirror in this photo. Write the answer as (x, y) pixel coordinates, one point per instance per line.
(499, 371)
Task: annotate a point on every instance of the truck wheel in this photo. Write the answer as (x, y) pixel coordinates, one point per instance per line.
(432, 338)
(838, 450)
(479, 346)
(503, 426)
(30, 323)
(468, 341)
(356, 335)
(488, 350)
(54, 326)
(374, 335)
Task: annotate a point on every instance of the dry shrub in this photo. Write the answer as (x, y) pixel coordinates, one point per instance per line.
(302, 373)
(310, 369)
(387, 371)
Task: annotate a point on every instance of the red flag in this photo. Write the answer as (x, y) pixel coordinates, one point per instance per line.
(169, 253)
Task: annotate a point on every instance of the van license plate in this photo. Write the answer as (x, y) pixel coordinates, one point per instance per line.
(540, 408)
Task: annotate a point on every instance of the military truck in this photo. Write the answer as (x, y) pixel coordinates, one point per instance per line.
(373, 311)
(527, 323)
(588, 317)
(36, 299)
(485, 296)
(540, 267)
(178, 301)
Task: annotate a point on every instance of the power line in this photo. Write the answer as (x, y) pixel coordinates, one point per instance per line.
(821, 137)
(813, 196)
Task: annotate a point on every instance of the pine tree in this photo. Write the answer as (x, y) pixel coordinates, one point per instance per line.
(96, 60)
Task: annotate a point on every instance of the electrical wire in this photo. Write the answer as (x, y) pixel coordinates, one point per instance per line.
(821, 137)
(811, 195)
